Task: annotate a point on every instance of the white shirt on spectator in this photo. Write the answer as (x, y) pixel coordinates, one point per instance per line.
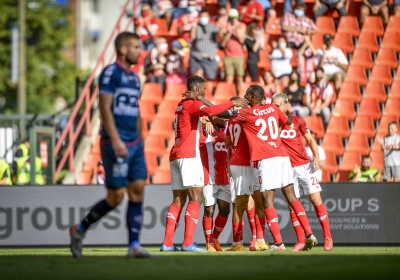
(322, 157)
(327, 90)
(330, 66)
(280, 63)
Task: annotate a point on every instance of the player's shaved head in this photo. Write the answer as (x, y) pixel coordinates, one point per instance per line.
(257, 92)
(234, 98)
(123, 38)
(194, 82)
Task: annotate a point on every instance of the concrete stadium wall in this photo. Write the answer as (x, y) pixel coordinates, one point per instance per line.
(40, 216)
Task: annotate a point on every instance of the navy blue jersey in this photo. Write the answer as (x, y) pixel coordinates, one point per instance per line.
(124, 85)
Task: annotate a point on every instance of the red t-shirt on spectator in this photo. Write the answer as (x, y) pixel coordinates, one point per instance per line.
(255, 6)
(144, 34)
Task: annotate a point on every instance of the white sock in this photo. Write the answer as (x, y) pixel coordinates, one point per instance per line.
(235, 243)
(260, 240)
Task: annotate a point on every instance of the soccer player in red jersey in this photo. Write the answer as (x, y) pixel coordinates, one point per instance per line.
(187, 175)
(243, 186)
(305, 182)
(261, 126)
(217, 191)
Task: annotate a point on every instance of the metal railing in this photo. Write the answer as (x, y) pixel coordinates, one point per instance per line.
(84, 104)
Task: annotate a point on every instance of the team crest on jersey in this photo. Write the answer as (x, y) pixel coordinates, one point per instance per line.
(124, 78)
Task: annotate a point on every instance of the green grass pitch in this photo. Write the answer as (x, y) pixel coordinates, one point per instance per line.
(111, 263)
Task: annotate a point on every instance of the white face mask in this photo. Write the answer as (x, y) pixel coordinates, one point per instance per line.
(163, 47)
(282, 45)
(191, 9)
(204, 20)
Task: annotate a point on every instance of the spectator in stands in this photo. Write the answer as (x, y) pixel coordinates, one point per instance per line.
(297, 25)
(146, 27)
(295, 94)
(281, 55)
(187, 21)
(287, 5)
(322, 6)
(155, 62)
(202, 56)
(396, 4)
(374, 7)
(232, 43)
(334, 62)
(322, 158)
(234, 3)
(307, 61)
(221, 20)
(251, 11)
(270, 85)
(318, 96)
(253, 45)
(177, 73)
(391, 149)
(365, 173)
(269, 10)
(165, 10)
(98, 178)
(181, 9)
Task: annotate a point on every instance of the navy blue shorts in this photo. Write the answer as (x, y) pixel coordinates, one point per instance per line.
(119, 172)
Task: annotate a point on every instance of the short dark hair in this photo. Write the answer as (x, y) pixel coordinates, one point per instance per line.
(300, 5)
(257, 91)
(122, 39)
(319, 69)
(234, 98)
(193, 81)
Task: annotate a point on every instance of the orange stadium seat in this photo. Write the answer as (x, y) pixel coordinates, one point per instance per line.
(162, 127)
(373, 24)
(315, 124)
(84, 178)
(350, 160)
(274, 26)
(332, 143)
(342, 176)
(350, 91)
(164, 165)
(154, 145)
(151, 162)
(381, 73)
(349, 25)
(171, 143)
(387, 57)
(375, 90)
(377, 160)
(358, 143)
(395, 90)
(326, 25)
(145, 128)
(376, 146)
(356, 73)
(384, 123)
(391, 40)
(362, 57)
(393, 24)
(167, 109)
(397, 77)
(162, 177)
(243, 88)
(330, 163)
(344, 42)
(345, 108)
(152, 92)
(364, 125)
(264, 62)
(147, 110)
(174, 92)
(173, 30)
(370, 107)
(317, 40)
(224, 92)
(326, 178)
(162, 27)
(392, 107)
(367, 41)
(339, 125)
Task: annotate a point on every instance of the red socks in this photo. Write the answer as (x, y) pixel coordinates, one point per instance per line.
(272, 219)
(191, 219)
(301, 216)
(301, 237)
(260, 225)
(323, 219)
(237, 232)
(250, 218)
(219, 226)
(172, 219)
(207, 228)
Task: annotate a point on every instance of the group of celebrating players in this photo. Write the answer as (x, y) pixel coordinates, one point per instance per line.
(243, 163)
(259, 149)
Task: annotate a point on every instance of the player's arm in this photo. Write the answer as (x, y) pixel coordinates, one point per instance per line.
(218, 109)
(314, 148)
(139, 126)
(228, 141)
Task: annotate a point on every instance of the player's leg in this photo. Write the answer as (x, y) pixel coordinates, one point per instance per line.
(323, 219)
(224, 204)
(260, 244)
(172, 220)
(251, 211)
(208, 216)
(301, 237)
(237, 224)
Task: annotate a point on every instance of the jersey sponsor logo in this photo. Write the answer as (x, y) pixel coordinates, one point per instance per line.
(120, 170)
(322, 218)
(179, 108)
(288, 134)
(171, 216)
(126, 104)
(301, 214)
(391, 147)
(220, 147)
(266, 111)
(272, 144)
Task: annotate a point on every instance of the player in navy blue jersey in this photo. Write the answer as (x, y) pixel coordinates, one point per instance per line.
(121, 146)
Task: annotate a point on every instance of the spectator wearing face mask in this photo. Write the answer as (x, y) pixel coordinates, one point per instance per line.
(146, 27)
(156, 61)
(186, 21)
(177, 73)
(204, 47)
(318, 96)
(298, 25)
(365, 173)
(281, 56)
(322, 6)
(307, 60)
(287, 5)
(232, 42)
(295, 94)
(253, 45)
(252, 11)
(334, 62)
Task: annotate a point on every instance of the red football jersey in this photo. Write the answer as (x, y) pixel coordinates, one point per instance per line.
(219, 158)
(261, 125)
(240, 152)
(292, 139)
(187, 127)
